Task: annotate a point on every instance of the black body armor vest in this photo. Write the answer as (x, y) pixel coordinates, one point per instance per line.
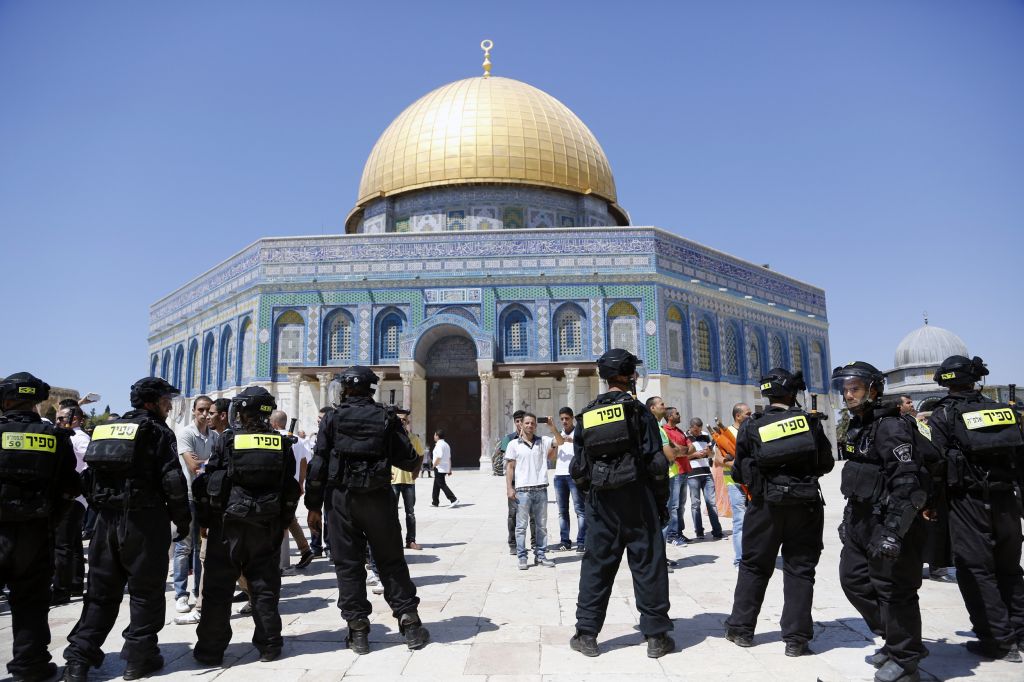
(256, 472)
(28, 466)
(609, 442)
(785, 439)
(119, 473)
(359, 459)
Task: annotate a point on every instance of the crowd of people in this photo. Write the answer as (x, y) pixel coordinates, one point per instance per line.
(940, 484)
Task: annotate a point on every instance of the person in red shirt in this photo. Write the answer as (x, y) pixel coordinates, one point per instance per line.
(673, 532)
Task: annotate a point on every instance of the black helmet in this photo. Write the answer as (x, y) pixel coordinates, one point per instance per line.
(617, 362)
(956, 370)
(781, 383)
(864, 371)
(150, 390)
(254, 400)
(24, 386)
(358, 376)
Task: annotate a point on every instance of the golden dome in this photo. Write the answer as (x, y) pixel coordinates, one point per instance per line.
(487, 130)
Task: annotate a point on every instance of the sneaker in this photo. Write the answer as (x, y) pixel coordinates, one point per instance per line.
(188, 618)
(512, 551)
(564, 546)
(454, 503)
(680, 542)
(377, 589)
(580, 549)
(989, 649)
(684, 538)
(585, 644)
(181, 604)
(659, 645)
(739, 639)
(246, 609)
(372, 579)
(545, 562)
(412, 545)
(523, 564)
(305, 560)
(672, 564)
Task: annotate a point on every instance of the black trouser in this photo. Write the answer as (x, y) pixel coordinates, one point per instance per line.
(26, 569)
(986, 551)
(89, 523)
(440, 483)
(235, 548)
(321, 541)
(625, 518)
(407, 493)
(356, 519)
(68, 555)
(513, 506)
(797, 530)
(882, 590)
(128, 548)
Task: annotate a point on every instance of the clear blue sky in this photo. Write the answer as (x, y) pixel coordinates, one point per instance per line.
(873, 148)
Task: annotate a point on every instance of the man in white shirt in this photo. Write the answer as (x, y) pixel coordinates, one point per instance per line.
(526, 481)
(700, 480)
(68, 555)
(443, 469)
(278, 421)
(565, 487)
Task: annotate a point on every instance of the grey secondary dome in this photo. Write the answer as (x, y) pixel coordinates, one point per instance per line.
(928, 345)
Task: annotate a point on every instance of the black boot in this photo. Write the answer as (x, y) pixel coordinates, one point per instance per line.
(795, 649)
(416, 636)
(44, 672)
(659, 645)
(359, 636)
(989, 649)
(75, 672)
(145, 668)
(878, 659)
(585, 644)
(894, 672)
(738, 638)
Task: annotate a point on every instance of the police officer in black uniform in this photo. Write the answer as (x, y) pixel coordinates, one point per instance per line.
(886, 486)
(619, 463)
(134, 480)
(246, 498)
(984, 451)
(358, 442)
(779, 457)
(37, 485)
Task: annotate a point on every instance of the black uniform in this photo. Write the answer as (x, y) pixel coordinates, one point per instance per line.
(135, 482)
(37, 484)
(618, 461)
(247, 495)
(985, 464)
(779, 457)
(356, 446)
(886, 485)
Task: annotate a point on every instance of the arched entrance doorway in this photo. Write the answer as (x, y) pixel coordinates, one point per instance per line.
(453, 397)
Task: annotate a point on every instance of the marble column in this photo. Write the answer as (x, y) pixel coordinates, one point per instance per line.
(517, 377)
(407, 378)
(570, 387)
(324, 379)
(296, 382)
(485, 420)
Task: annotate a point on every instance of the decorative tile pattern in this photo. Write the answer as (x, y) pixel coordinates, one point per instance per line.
(456, 221)
(512, 218)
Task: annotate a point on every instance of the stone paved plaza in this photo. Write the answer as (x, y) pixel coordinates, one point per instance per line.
(490, 621)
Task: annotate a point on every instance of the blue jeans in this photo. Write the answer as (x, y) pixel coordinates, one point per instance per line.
(738, 501)
(564, 487)
(676, 506)
(532, 504)
(186, 556)
(705, 483)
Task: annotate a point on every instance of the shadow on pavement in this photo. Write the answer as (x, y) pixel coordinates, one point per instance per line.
(436, 579)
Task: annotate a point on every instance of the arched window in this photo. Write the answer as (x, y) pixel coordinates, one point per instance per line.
(227, 358)
(209, 366)
(289, 330)
(818, 366)
(796, 356)
(703, 347)
(247, 351)
(515, 334)
(165, 366)
(775, 354)
(194, 369)
(390, 334)
(179, 362)
(569, 332)
(338, 338)
(754, 357)
(730, 350)
(153, 362)
(675, 337)
(623, 326)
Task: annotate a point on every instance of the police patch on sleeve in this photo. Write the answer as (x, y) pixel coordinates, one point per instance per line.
(903, 452)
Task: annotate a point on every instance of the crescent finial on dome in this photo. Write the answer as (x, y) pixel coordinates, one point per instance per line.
(487, 45)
